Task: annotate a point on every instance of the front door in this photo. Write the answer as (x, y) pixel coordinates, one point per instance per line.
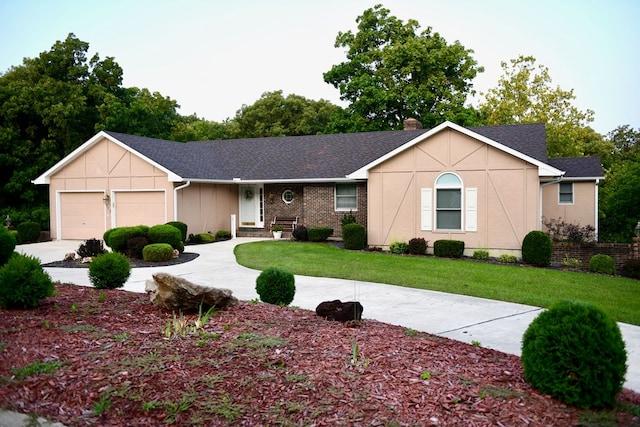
(251, 206)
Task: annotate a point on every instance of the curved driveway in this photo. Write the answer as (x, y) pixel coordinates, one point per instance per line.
(496, 325)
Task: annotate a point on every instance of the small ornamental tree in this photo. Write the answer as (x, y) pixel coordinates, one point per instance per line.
(575, 353)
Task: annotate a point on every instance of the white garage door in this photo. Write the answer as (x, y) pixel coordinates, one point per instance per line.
(139, 208)
(82, 216)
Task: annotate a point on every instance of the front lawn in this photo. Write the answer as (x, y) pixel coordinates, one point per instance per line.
(539, 287)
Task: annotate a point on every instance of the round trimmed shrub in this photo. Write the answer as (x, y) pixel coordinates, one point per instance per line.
(29, 232)
(575, 353)
(117, 238)
(165, 233)
(631, 268)
(109, 271)
(448, 248)
(157, 252)
(276, 286)
(354, 236)
(23, 282)
(319, 234)
(223, 235)
(602, 263)
(182, 227)
(537, 248)
(417, 246)
(7, 245)
(300, 233)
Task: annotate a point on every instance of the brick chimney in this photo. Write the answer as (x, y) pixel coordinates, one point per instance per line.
(412, 124)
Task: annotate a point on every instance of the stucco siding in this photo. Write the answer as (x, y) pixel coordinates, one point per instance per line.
(207, 207)
(507, 191)
(581, 211)
(108, 168)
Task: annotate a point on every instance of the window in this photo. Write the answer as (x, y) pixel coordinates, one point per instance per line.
(565, 193)
(287, 196)
(346, 197)
(448, 202)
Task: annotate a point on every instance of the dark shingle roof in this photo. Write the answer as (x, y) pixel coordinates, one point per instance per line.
(320, 157)
(579, 167)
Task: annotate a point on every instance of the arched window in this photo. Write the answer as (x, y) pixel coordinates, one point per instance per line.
(449, 202)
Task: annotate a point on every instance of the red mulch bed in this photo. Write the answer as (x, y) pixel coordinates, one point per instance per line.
(255, 364)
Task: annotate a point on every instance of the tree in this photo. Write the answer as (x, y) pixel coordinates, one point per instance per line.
(276, 115)
(620, 201)
(626, 143)
(393, 73)
(524, 95)
(193, 128)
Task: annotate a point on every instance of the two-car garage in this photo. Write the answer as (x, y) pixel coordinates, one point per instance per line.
(87, 214)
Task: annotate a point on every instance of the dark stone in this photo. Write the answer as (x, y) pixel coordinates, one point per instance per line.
(340, 311)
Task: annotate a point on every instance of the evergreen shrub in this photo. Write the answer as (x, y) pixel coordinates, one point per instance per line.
(319, 234)
(398, 248)
(29, 232)
(417, 246)
(7, 245)
(157, 252)
(195, 239)
(206, 238)
(448, 248)
(575, 353)
(90, 248)
(164, 233)
(603, 264)
(354, 236)
(276, 286)
(300, 233)
(117, 238)
(537, 249)
(507, 259)
(23, 282)
(182, 227)
(348, 219)
(223, 235)
(109, 270)
(631, 268)
(135, 245)
(481, 254)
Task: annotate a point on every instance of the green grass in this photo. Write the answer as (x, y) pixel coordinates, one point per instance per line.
(539, 287)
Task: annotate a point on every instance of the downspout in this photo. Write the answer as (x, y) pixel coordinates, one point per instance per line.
(175, 199)
(555, 181)
(596, 213)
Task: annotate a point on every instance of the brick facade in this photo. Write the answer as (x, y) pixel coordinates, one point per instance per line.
(313, 204)
(620, 252)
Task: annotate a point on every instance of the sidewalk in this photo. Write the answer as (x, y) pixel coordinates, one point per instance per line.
(496, 325)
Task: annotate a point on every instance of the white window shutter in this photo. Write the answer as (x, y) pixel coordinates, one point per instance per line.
(426, 211)
(471, 214)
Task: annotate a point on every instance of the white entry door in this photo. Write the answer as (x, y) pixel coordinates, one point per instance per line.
(251, 206)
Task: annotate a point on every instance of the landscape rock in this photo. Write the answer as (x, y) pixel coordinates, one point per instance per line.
(176, 293)
(340, 311)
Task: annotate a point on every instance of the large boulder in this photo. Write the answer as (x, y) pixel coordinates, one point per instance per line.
(340, 311)
(176, 293)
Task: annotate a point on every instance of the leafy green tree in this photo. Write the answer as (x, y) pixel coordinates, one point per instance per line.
(276, 115)
(626, 143)
(393, 73)
(192, 128)
(525, 95)
(620, 201)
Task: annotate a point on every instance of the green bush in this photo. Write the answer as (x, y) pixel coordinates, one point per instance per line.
(507, 259)
(157, 252)
(276, 286)
(481, 254)
(398, 248)
(575, 352)
(417, 246)
(194, 239)
(23, 282)
(603, 264)
(109, 271)
(631, 268)
(223, 235)
(164, 233)
(348, 219)
(354, 236)
(7, 245)
(117, 238)
(206, 237)
(300, 233)
(182, 227)
(28, 232)
(448, 248)
(319, 234)
(537, 248)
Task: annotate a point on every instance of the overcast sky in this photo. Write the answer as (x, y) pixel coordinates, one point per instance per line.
(214, 56)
